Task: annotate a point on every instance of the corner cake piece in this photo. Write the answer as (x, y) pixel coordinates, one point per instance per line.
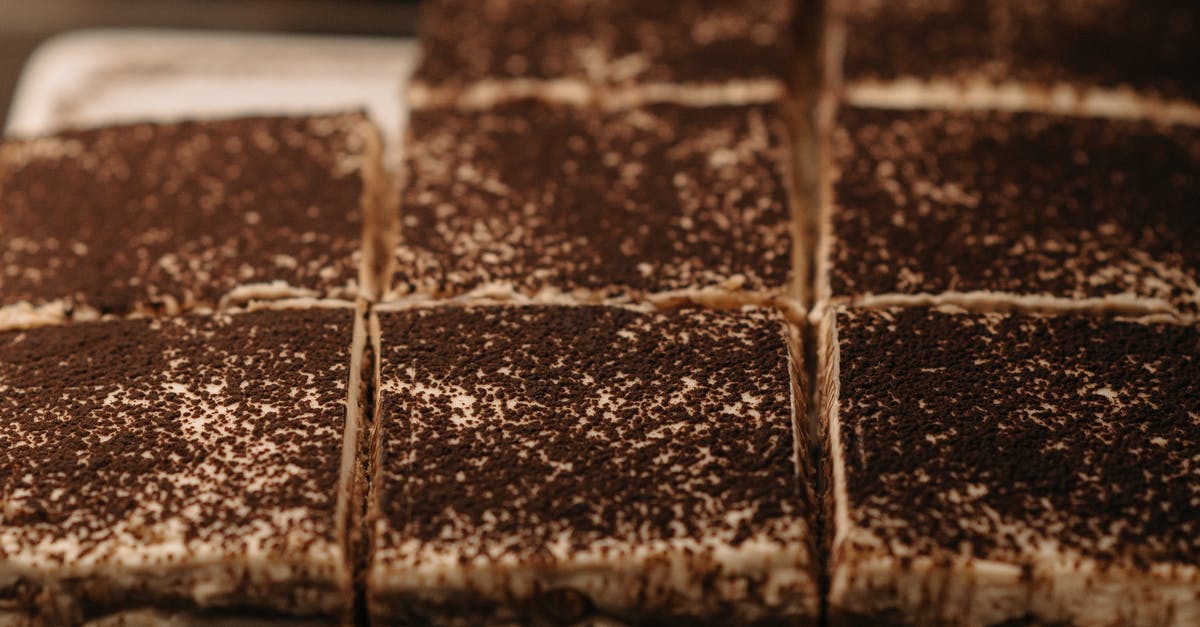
(598, 204)
(187, 467)
(1020, 209)
(568, 463)
(995, 469)
(606, 42)
(146, 218)
(1147, 46)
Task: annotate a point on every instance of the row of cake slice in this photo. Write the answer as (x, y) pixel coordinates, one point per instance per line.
(989, 468)
(954, 206)
(681, 187)
(1117, 58)
(624, 205)
(558, 464)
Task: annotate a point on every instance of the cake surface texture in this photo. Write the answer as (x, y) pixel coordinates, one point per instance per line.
(558, 464)
(990, 468)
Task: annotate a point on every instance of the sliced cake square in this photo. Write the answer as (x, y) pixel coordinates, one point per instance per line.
(169, 217)
(991, 469)
(560, 464)
(531, 199)
(179, 469)
(1011, 209)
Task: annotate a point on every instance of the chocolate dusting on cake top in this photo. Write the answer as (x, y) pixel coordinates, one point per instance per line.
(126, 218)
(508, 430)
(931, 201)
(607, 42)
(1148, 45)
(988, 435)
(143, 443)
(541, 196)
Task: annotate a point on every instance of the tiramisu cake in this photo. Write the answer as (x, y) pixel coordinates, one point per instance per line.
(714, 47)
(605, 205)
(1039, 210)
(563, 382)
(171, 217)
(1113, 57)
(187, 469)
(992, 469)
(556, 464)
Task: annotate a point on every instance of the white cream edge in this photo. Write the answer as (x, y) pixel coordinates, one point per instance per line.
(24, 315)
(487, 93)
(1057, 98)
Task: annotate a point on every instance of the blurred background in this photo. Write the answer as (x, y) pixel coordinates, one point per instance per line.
(26, 23)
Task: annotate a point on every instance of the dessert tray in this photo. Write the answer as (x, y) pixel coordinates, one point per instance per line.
(95, 77)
